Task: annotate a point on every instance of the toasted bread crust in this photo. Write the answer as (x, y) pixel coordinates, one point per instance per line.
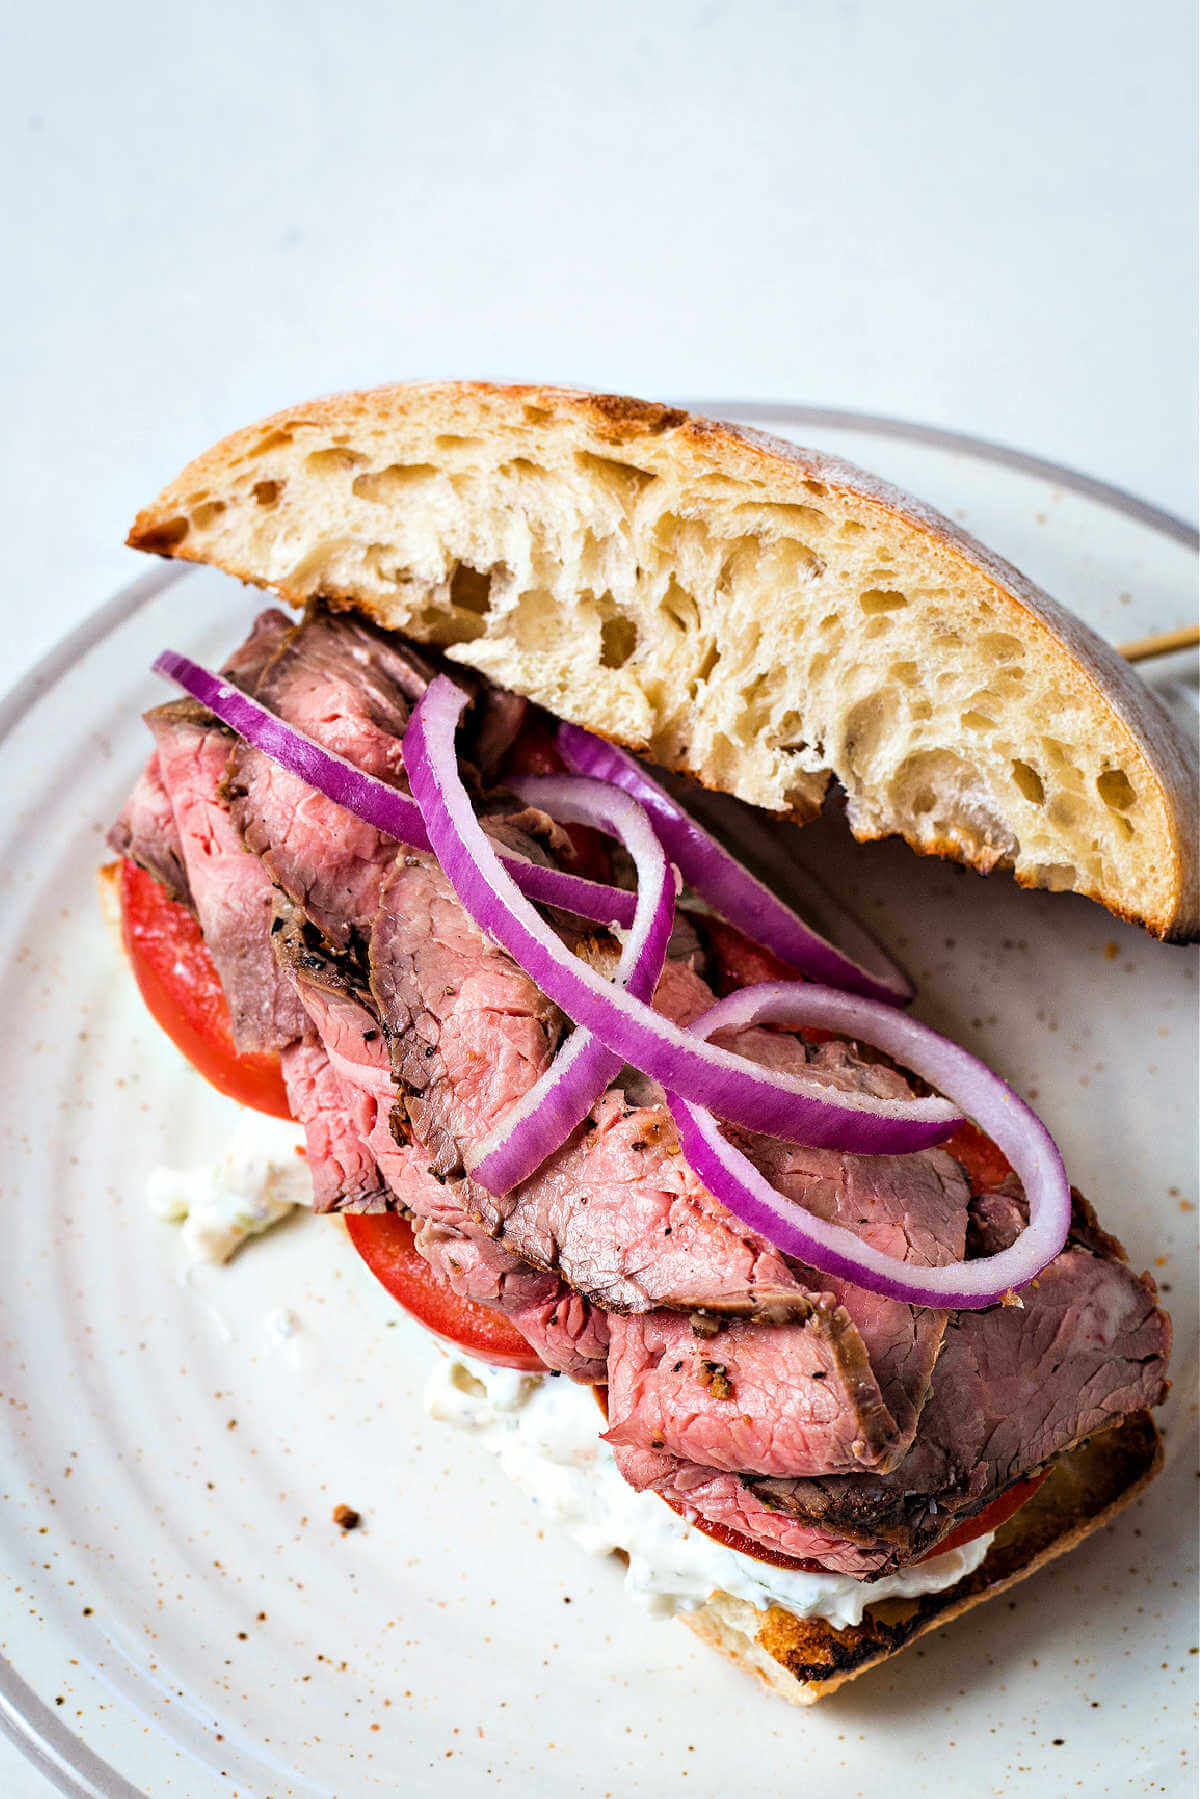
(341, 498)
(803, 1660)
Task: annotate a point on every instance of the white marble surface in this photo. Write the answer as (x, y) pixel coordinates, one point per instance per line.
(976, 217)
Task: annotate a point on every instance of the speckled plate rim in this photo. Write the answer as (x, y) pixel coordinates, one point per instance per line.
(65, 1760)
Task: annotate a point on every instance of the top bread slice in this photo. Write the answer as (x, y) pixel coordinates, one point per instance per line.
(761, 617)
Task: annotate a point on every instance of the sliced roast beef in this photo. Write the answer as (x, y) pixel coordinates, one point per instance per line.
(568, 1334)
(797, 1398)
(345, 1175)
(913, 1207)
(620, 1216)
(724, 1499)
(146, 832)
(468, 1031)
(1013, 1387)
(350, 687)
(233, 897)
(357, 1088)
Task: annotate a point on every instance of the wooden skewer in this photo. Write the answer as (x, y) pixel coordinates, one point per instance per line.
(1162, 644)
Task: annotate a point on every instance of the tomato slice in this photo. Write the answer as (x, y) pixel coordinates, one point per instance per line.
(384, 1240)
(991, 1517)
(740, 962)
(180, 985)
(984, 1165)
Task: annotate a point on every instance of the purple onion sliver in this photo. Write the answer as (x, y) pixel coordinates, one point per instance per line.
(1013, 1126)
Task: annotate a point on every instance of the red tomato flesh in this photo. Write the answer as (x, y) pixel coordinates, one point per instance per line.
(180, 985)
(991, 1517)
(384, 1240)
(984, 1165)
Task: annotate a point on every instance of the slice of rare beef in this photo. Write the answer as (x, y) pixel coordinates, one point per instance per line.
(230, 890)
(350, 687)
(468, 1031)
(621, 1217)
(725, 1500)
(146, 830)
(569, 1335)
(1013, 1387)
(345, 1175)
(147, 833)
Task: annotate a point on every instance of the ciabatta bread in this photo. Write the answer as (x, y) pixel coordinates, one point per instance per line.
(761, 617)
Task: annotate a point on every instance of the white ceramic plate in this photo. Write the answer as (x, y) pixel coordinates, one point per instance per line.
(180, 1614)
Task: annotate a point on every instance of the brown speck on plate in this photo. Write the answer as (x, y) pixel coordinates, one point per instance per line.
(346, 1516)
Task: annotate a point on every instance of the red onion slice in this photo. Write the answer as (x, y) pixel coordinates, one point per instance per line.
(371, 799)
(734, 1180)
(739, 896)
(803, 1111)
(543, 1119)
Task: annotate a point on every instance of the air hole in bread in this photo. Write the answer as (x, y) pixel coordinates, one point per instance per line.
(791, 739)
(978, 721)
(536, 415)
(1000, 646)
(1029, 783)
(451, 442)
(618, 641)
(1116, 789)
(388, 483)
(711, 657)
(904, 672)
(786, 520)
(266, 493)
(330, 461)
(433, 624)
(471, 590)
(679, 606)
(877, 627)
(521, 465)
(949, 786)
(164, 537)
(882, 599)
(868, 721)
(204, 515)
(1065, 811)
(624, 480)
(817, 487)
(274, 440)
(1057, 876)
(852, 528)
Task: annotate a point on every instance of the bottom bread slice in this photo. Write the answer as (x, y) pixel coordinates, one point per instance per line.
(803, 1659)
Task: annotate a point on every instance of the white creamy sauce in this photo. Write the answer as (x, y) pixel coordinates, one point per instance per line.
(545, 1434)
(259, 1180)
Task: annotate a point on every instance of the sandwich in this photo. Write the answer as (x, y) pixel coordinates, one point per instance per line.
(471, 865)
